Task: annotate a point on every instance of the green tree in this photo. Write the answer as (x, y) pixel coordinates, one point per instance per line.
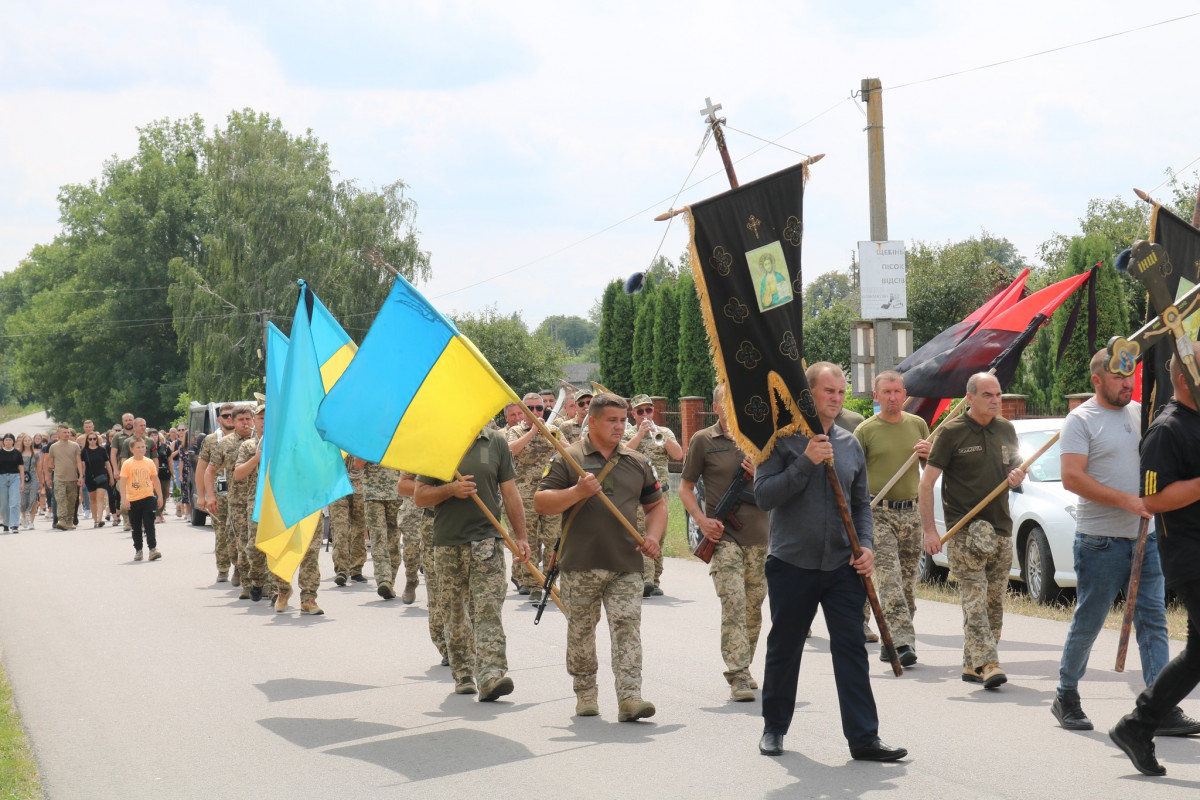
(527, 362)
(947, 282)
(827, 334)
(665, 380)
(575, 334)
(645, 305)
(616, 339)
(695, 366)
(276, 216)
(96, 340)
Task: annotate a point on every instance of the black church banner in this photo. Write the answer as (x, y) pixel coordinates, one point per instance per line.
(745, 255)
(1182, 243)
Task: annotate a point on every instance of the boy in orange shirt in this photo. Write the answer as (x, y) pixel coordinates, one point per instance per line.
(142, 497)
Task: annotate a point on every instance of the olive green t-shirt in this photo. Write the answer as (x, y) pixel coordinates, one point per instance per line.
(596, 539)
(458, 520)
(715, 457)
(974, 460)
(887, 445)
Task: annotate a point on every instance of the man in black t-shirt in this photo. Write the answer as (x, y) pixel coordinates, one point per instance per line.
(1170, 463)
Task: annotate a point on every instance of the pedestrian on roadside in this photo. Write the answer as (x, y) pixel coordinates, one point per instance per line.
(141, 496)
(63, 462)
(30, 456)
(97, 473)
(12, 483)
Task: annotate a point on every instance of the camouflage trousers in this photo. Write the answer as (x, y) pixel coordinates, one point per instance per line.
(309, 571)
(740, 579)
(651, 567)
(898, 552)
(66, 496)
(348, 523)
(583, 592)
(225, 547)
(543, 535)
(472, 580)
(251, 562)
(982, 584)
(384, 524)
(433, 587)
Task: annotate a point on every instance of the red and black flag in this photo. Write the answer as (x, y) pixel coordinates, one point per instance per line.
(996, 343)
(745, 254)
(1182, 243)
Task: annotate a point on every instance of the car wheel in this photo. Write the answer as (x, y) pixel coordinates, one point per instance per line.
(1039, 568)
(693, 530)
(928, 571)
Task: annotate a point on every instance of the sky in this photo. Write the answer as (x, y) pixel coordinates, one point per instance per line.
(540, 139)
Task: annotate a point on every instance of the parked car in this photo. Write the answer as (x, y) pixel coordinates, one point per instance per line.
(1043, 515)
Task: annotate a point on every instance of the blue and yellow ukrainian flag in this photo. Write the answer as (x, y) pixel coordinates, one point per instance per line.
(301, 472)
(417, 392)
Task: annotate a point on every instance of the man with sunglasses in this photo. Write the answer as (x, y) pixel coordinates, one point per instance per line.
(226, 550)
(531, 452)
(116, 441)
(570, 425)
(643, 441)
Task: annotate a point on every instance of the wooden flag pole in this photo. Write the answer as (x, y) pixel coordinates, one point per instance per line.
(1135, 578)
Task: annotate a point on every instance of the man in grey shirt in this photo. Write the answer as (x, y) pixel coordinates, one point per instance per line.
(1098, 446)
(809, 563)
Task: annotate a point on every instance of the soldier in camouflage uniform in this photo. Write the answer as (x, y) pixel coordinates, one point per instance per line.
(225, 549)
(641, 439)
(531, 453)
(888, 440)
(221, 465)
(421, 520)
(470, 561)
(740, 556)
(115, 443)
(976, 452)
(570, 424)
(348, 525)
(243, 492)
(381, 504)
(601, 563)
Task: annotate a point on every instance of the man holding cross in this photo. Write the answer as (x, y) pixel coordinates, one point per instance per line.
(977, 451)
(1170, 465)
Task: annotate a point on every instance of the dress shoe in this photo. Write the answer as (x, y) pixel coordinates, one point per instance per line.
(1177, 723)
(1140, 749)
(495, 688)
(906, 654)
(1068, 712)
(878, 752)
(771, 744)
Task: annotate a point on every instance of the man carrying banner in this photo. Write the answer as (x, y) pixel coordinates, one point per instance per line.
(601, 565)
(888, 439)
(470, 560)
(976, 451)
(741, 552)
(1170, 465)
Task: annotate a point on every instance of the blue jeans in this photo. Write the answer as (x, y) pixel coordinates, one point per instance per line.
(1102, 566)
(10, 499)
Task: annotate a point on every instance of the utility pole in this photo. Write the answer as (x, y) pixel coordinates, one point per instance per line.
(872, 91)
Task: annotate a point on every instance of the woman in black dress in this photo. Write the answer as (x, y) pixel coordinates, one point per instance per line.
(97, 476)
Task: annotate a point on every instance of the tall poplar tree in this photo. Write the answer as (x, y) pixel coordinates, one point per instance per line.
(695, 366)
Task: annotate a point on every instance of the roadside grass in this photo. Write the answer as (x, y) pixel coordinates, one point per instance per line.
(1018, 602)
(18, 771)
(675, 543)
(14, 410)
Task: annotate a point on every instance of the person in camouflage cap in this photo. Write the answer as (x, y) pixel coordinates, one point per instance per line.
(642, 439)
(531, 453)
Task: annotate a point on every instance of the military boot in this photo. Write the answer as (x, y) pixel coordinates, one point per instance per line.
(635, 708)
(587, 703)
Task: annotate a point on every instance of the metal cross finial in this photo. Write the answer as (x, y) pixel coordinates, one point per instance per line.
(711, 111)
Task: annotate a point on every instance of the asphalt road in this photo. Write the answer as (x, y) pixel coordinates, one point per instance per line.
(149, 680)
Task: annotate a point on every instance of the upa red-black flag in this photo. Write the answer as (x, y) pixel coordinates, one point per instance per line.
(1182, 243)
(745, 254)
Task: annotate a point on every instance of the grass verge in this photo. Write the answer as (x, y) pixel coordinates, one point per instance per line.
(1018, 602)
(14, 410)
(18, 771)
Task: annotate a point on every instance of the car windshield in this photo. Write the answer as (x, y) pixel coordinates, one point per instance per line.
(1047, 467)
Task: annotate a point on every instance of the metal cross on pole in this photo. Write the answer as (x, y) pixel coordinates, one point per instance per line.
(714, 122)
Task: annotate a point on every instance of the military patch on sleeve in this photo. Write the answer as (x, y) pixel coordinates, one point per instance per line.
(1151, 485)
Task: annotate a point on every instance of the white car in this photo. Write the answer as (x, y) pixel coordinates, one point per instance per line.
(1043, 515)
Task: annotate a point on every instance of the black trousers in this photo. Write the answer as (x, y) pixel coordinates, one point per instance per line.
(1179, 676)
(141, 517)
(795, 594)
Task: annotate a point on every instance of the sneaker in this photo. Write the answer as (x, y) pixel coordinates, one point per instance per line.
(465, 686)
(310, 607)
(1067, 710)
(993, 677)
(410, 593)
(635, 708)
(154, 554)
(281, 600)
(587, 704)
(1177, 723)
(222, 576)
(740, 691)
(385, 591)
(137, 556)
(340, 579)
(236, 580)
(358, 578)
(496, 688)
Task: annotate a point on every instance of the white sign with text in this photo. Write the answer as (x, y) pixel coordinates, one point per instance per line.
(881, 280)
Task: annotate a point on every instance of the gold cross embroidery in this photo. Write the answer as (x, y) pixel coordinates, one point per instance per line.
(753, 225)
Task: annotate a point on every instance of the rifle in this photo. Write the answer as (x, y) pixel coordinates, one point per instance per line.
(726, 511)
(548, 583)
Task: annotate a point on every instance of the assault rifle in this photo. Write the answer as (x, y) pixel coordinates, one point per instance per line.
(548, 584)
(726, 511)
